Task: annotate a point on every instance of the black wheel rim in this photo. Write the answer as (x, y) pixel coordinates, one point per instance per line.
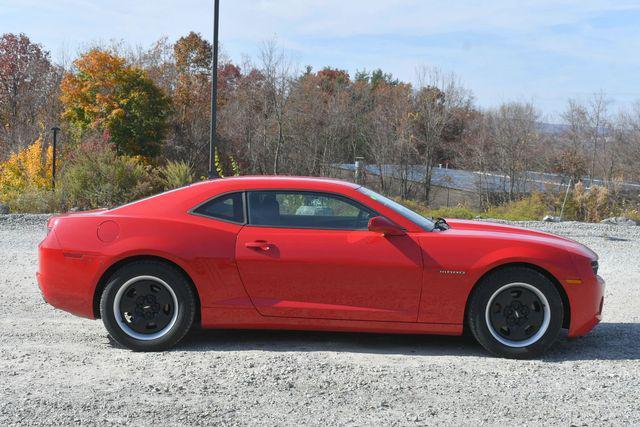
(146, 307)
(516, 314)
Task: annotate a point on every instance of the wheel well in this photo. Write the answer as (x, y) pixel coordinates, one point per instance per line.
(104, 279)
(563, 294)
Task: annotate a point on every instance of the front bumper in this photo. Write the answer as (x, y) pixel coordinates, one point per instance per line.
(586, 301)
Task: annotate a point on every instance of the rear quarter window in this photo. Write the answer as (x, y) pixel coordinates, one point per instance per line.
(228, 207)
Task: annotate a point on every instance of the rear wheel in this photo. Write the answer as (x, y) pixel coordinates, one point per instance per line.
(515, 312)
(147, 306)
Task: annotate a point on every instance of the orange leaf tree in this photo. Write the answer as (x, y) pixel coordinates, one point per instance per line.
(105, 93)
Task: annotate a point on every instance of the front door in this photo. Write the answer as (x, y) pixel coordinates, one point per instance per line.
(310, 255)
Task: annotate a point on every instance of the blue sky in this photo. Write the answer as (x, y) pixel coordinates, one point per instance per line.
(544, 51)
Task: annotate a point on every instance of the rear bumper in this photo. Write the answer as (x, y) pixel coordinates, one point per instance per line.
(67, 280)
(586, 301)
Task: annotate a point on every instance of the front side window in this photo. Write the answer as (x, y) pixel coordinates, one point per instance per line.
(303, 209)
(228, 207)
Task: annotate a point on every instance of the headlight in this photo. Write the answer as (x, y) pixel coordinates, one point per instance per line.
(594, 267)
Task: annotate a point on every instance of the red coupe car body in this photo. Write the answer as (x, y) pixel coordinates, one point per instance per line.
(253, 276)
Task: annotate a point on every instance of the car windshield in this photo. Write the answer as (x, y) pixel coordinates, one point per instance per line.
(425, 223)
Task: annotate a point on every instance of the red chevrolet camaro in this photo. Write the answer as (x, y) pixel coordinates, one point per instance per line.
(317, 254)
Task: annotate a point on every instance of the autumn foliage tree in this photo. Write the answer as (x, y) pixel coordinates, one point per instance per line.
(191, 99)
(28, 92)
(104, 93)
(272, 119)
(190, 123)
(26, 170)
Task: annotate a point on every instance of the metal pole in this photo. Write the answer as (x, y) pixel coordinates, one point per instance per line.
(358, 169)
(53, 160)
(213, 173)
(565, 199)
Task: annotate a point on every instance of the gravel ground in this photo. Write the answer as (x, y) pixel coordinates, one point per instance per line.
(59, 369)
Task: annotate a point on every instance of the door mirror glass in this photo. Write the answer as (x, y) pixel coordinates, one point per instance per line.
(379, 224)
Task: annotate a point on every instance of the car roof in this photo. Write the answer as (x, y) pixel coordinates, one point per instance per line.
(279, 182)
(186, 197)
(280, 179)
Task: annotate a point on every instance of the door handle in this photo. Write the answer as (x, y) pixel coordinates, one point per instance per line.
(258, 244)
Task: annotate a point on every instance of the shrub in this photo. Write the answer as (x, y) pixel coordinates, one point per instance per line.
(592, 205)
(97, 177)
(25, 171)
(219, 164)
(532, 208)
(37, 201)
(459, 212)
(176, 174)
(633, 214)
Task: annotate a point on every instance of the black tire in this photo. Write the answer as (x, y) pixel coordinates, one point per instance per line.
(524, 317)
(148, 306)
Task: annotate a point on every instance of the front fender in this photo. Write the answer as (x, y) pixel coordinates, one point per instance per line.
(454, 267)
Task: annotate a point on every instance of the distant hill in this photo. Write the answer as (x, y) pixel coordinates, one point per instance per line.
(551, 128)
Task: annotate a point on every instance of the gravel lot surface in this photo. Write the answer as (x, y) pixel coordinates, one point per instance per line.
(59, 369)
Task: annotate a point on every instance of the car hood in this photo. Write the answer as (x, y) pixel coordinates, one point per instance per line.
(521, 234)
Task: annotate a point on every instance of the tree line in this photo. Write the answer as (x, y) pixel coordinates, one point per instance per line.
(154, 104)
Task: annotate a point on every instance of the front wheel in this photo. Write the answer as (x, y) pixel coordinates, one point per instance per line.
(147, 306)
(515, 312)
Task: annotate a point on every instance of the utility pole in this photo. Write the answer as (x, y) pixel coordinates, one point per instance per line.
(213, 173)
(359, 170)
(53, 160)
